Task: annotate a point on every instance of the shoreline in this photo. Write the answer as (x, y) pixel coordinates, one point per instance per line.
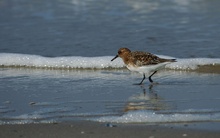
(215, 69)
(94, 129)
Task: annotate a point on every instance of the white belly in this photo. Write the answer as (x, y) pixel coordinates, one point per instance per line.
(148, 68)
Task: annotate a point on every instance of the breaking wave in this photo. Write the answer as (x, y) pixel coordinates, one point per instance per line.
(102, 62)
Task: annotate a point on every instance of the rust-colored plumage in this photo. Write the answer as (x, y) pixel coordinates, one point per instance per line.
(140, 58)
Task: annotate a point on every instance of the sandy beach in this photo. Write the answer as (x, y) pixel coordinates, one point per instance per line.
(96, 130)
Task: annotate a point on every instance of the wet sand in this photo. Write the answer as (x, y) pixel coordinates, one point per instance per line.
(91, 129)
(209, 69)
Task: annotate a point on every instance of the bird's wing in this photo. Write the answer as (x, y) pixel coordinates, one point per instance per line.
(145, 58)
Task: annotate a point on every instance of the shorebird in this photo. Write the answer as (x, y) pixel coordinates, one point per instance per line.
(142, 62)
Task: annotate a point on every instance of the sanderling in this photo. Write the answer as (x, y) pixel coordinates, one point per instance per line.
(142, 62)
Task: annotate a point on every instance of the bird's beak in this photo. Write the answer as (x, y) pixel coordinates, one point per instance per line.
(114, 57)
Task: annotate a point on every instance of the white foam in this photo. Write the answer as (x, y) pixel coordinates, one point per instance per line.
(193, 63)
(143, 116)
(25, 60)
(9, 59)
(190, 63)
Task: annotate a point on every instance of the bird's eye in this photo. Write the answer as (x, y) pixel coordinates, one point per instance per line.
(119, 52)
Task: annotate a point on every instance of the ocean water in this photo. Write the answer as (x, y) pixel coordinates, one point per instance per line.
(55, 61)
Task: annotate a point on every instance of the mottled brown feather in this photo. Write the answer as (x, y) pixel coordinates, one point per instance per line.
(139, 58)
(144, 58)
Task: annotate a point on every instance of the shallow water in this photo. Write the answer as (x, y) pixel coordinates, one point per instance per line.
(62, 71)
(36, 95)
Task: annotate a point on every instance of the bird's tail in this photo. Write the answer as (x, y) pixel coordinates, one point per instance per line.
(172, 60)
(168, 60)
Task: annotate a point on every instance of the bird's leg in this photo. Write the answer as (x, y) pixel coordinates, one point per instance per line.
(142, 79)
(151, 76)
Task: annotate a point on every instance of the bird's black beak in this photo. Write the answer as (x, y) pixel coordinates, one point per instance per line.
(114, 57)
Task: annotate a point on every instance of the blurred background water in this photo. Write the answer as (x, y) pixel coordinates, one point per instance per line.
(188, 28)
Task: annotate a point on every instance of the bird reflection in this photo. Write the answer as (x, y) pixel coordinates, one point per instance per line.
(146, 100)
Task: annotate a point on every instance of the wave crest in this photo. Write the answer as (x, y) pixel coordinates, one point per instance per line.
(103, 62)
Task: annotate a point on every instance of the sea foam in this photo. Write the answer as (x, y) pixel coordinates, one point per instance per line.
(144, 116)
(25, 60)
(102, 62)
